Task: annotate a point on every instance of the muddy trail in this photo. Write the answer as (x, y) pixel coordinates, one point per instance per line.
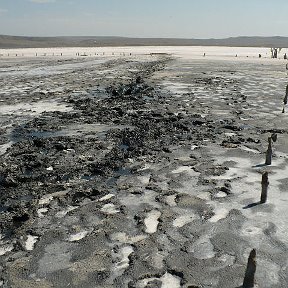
(123, 189)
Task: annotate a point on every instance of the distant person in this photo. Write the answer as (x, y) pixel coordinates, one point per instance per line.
(204, 54)
(285, 56)
(260, 55)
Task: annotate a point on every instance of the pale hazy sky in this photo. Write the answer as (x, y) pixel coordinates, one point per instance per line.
(144, 18)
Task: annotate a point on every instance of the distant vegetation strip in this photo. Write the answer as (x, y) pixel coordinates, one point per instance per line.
(47, 42)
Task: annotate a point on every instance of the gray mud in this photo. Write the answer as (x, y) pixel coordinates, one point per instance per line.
(141, 173)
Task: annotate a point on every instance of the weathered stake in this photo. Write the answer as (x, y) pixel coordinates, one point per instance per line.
(265, 184)
(286, 96)
(269, 152)
(249, 280)
(274, 137)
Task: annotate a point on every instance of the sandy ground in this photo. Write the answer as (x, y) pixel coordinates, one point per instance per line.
(141, 171)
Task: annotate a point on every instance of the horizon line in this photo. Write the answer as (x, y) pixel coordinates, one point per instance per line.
(134, 37)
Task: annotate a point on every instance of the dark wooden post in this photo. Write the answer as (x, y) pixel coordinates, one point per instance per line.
(249, 280)
(265, 184)
(269, 152)
(286, 96)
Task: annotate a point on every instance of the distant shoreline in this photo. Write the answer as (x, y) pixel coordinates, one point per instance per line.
(14, 42)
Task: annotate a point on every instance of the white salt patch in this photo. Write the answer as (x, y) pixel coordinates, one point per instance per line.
(132, 200)
(220, 213)
(246, 185)
(123, 256)
(249, 150)
(78, 236)
(45, 199)
(5, 249)
(106, 197)
(63, 213)
(170, 281)
(144, 179)
(144, 282)
(36, 108)
(41, 212)
(124, 238)
(4, 147)
(170, 200)
(230, 134)
(193, 147)
(109, 209)
(30, 242)
(227, 259)
(158, 260)
(203, 249)
(204, 196)
(70, 150)
(151, 221)
(252, 231)
(181, 169)
(145, 167)
(183, 220)
(221, 195)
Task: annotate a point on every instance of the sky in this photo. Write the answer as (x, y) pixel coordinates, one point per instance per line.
(144, 18)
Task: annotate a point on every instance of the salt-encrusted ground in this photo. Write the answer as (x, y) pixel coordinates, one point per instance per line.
(139, 170)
